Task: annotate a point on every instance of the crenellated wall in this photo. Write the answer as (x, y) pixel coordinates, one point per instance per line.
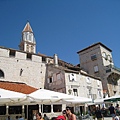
(19, 68)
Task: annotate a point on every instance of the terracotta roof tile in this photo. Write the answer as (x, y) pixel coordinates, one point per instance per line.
(17, 87)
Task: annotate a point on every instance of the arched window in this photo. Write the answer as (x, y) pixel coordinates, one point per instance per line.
(104, 54)
(27, 48)
(1, 74)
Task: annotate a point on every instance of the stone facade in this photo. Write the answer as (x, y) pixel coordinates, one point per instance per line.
(19, 68)
(42, 71)
(97, 60)
(73, 82)
(83, 85)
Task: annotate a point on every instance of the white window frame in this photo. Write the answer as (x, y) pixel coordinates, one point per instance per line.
(99, 93)
(72, 77)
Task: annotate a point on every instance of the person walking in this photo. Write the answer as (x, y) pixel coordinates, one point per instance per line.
(70, 115)
(117, 110)
(98, 114)
(112, 111)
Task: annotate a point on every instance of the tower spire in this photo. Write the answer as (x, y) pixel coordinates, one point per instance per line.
(28, 43)
(27, 28)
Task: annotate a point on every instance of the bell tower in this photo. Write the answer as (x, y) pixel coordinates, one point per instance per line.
(28, 43)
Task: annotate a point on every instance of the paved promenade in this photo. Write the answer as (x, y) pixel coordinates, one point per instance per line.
(105, 118)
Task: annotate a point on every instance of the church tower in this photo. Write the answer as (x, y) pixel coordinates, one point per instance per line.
(28, 43)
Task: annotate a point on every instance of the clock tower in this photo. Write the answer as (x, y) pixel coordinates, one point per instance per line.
(28, 43)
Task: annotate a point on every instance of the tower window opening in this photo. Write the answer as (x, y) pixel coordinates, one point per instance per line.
(1, 74)
(93, 57)
(12, 53)
(43, 59)
(29, 56)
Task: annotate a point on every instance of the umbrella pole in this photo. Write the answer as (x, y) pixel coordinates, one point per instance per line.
(42, 109)
(27, 112)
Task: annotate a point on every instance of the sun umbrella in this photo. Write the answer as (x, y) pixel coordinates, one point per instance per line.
(99, 101)
(78, 100)
(112, 99)
(8, 97)
(48, 96)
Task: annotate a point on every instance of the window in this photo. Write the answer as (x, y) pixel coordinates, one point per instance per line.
(99, 93)
(50, 79)
(96, 69)
(43, 59)
(93, 57)
(88, 80)
(108, 70)
(32, 49)
(15, 109)
(29, 56)
(2, 110)
(1, 74)
(29, 36)
(46, 108)
(89, 93)
(27, 48)
(57, 108)
(98, 83)
(58, 76)
(108, 57)
(75, 92)
(104, 55)
(12, 53)
(72, 77)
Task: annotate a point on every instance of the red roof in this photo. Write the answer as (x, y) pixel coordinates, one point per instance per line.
(27, 28)
(17, 87)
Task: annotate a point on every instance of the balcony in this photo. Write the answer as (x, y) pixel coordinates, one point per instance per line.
(111, 68)
(113, 74)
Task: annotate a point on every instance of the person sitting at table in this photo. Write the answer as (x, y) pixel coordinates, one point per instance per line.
(8, 118)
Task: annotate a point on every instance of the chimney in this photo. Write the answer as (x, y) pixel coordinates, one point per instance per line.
(55, 59)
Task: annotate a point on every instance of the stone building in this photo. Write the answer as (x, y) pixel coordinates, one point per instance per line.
(69, 79)
(97, 60)
(41, 71)
(25, 66)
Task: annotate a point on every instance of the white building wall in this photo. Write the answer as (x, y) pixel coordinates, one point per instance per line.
(20, 55)
(20, 69)
(82, 85)
(4, 52)
(108, 53)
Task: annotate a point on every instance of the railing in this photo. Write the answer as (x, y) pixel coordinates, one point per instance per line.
(116, 68)
(113, 67)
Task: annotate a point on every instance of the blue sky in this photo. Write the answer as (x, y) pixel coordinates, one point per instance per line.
(62, 26)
